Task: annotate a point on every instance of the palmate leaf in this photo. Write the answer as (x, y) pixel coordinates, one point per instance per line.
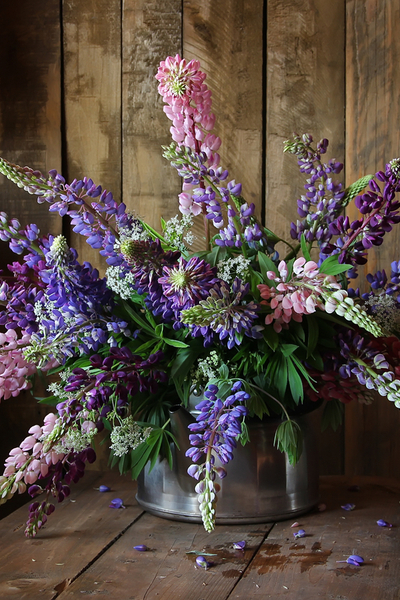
(295, 382)
(313, 334)
(332, 415)
(304, 248)
(266, 264)
(289, 439)
(331, 266)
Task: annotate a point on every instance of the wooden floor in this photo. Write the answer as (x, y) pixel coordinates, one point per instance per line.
(87, 550)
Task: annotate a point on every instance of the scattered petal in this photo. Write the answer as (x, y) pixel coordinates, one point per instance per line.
(117, 503)
(353, 559)
(383, 523)
(104, 488)
(295, 524)
(202, 562)
(348, 506)
(140, 548)
(299, 534)
(239, 545)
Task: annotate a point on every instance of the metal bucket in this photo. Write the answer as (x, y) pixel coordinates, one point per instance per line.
(260, 485)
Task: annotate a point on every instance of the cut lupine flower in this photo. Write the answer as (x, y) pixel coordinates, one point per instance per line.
(353, 559)
(202, 562)
(239, 545)
(117, 503)
(214, 435)
(299, 534)
(140, 548)
(383, 523)
(348, 506)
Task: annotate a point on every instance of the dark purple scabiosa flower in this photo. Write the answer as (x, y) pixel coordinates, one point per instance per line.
(225, 313)
(187, 282)
(146, 260)
(214, 437)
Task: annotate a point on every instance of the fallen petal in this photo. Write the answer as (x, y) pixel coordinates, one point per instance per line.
(295, 524)
(348, 506)
(140, 548)
(354, 559)
(104, 488)
(202, 562)
(239, 545)
(299, 534)
(383, 523)
(117, 503)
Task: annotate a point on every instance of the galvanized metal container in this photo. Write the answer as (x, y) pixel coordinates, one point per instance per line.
(260, 486)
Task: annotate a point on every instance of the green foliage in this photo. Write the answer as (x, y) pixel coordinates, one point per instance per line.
(331, 266)
(332, 415)
(157, 444)
(289, 439)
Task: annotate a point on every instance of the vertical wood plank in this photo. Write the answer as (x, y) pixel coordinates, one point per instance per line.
(151, 31)
(227, 37)
(372, 139)
(29, 135)
(305, 94)
(92, 93)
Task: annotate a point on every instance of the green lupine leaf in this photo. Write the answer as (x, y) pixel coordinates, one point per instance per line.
(288, 349)
(271, 337)
(175, 343)
(332, 415)
(282, 376)
(289, 439)
(266, 264)
(304, 248)
(331, 266)
(295, 383)
(313, 334)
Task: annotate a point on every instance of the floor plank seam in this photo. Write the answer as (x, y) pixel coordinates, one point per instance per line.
(250, 561)
(96, 558)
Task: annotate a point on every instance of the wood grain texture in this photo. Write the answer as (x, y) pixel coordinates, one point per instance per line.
(87, 549)
(30, 111)
(372, 139)
(167, 571)
(30, 134)
(92, 96)
(226, 36)
(151, 32)
(80, 529)
(307, 567)
(305, 94)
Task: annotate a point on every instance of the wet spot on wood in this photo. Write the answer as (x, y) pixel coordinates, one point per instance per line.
(270, 558)
(231, 574)
(315, 547)
(348, 571)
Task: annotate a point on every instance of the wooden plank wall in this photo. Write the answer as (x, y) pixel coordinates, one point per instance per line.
(83, 98)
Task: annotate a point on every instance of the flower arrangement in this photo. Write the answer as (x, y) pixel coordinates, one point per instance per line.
(261, 334)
